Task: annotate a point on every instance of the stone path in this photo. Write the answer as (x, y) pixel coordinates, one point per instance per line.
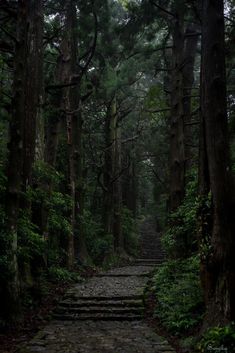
(105, 314)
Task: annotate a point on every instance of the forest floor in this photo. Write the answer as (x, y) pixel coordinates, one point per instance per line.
(106, 313)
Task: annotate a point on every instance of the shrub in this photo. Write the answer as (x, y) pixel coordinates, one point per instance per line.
(99, 245)
(31, 243)
(179, 298)
(59, 274)
(218, 339)
(181, 235)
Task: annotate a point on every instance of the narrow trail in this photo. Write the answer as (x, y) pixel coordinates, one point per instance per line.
(105, 314)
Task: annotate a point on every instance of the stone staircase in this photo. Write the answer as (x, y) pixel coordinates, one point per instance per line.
(105, 314)
(151, 252)
(116, 294)
(101, 309)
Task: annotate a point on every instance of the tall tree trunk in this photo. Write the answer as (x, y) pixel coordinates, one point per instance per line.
(110, 127)
(177, 151)
(15, 164)
(129, 188)
(117, 193)
(219, 261)
(67, 47)
(73, 114)
(190, 50)
(33, 86)
(81, 253)
(25, 105)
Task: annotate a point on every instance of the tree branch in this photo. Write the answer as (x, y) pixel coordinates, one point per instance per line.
(92, 51)
(8, 34)
(158, 110)
(159, 179)
(162, 9)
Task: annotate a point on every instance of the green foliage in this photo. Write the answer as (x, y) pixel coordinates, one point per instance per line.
(205, 226)
(59, 274)
(56, 205)
(101, 248)
(181, 235)
(44, 173)
(30, 242)
(99, 245)
(4, 249)
(178, 293)
(60, 205)
(129, 231)
(218, 339)
(4, 235)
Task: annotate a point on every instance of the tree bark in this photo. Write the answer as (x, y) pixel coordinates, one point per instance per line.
(33, 86)
(108, 173)
(117, 188)
(190, 50)
(129, 188)
(218, 263)
(25, 105)
(177, 150)
(73, 116)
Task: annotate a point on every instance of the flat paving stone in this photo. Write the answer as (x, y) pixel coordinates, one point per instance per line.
(98, 337)
(109, 287)
(127, 271)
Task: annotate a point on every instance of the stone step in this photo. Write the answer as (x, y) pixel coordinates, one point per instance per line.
(149, 265)
(103, 298)
(147, 261)
(123, 275)
(151, 246)
(94, 303)
(151, 255)
(146, 256)
(159, 253)
(98, 317)
(99, 310)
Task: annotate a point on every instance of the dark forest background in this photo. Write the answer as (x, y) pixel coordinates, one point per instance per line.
(111, 112)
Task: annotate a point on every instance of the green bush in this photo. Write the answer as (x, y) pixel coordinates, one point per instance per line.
(218, 339)
(59, 274)
(4, 236)
(179, 298)
(181, 235)
(99, 245)
(43, 174)
(30, 242)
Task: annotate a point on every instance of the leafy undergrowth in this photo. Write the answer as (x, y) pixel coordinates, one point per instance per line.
(156, 324)
(220, 339)
(36, 313)
(176, 298)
